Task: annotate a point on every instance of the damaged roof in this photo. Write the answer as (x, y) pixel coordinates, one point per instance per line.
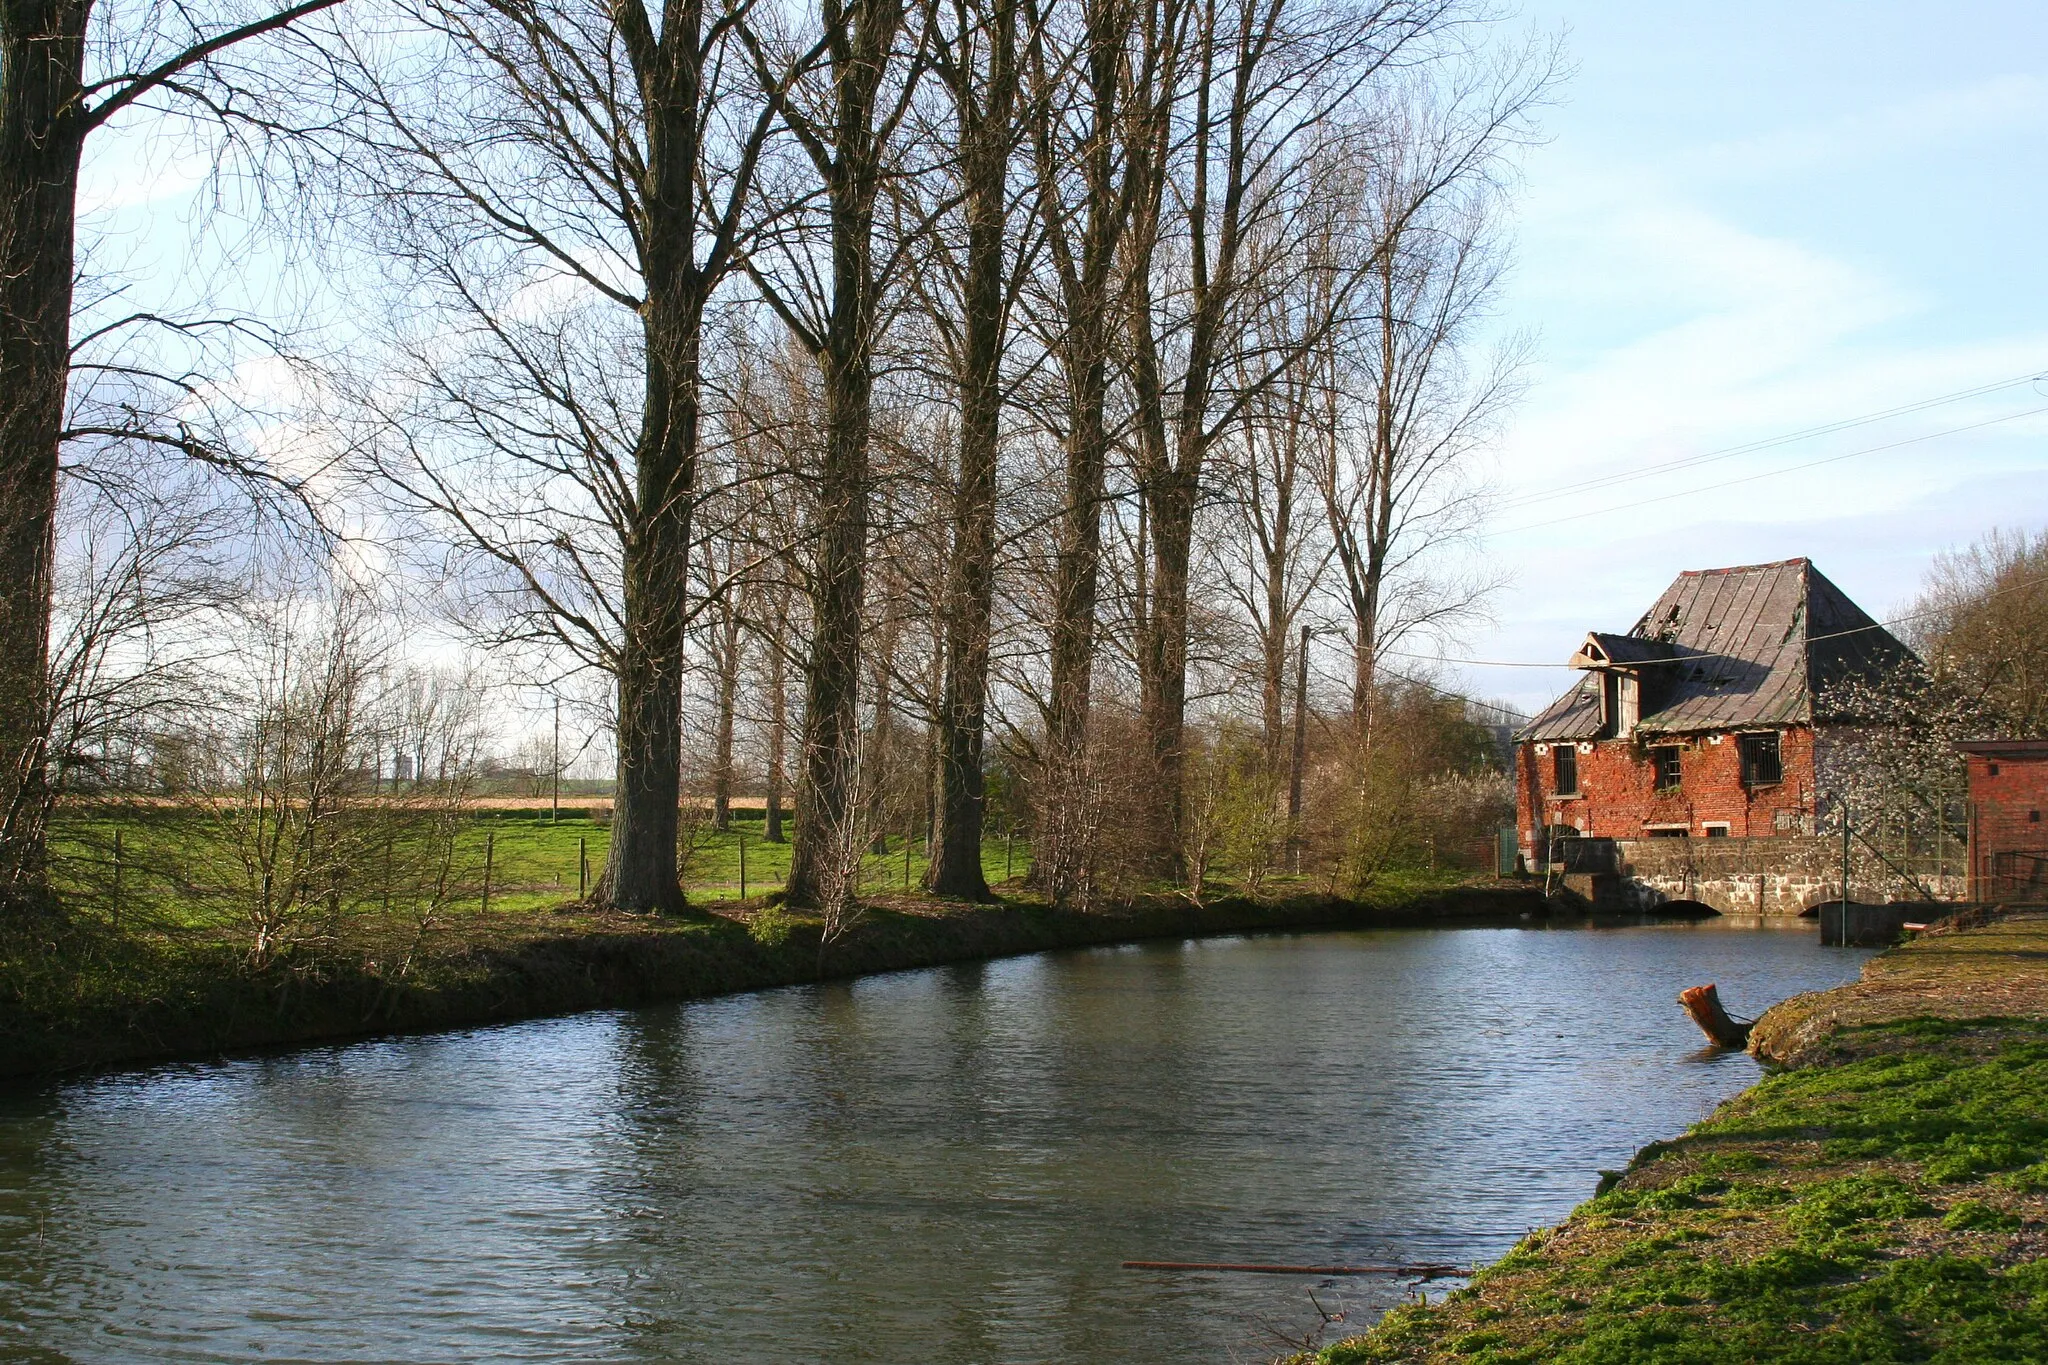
(1728, 648)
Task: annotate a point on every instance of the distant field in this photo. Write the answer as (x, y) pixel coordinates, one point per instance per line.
(539, 857)
(533, 861)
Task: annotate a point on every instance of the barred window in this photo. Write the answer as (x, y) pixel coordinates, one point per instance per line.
(1668, 760)
(1760, 763)
(1564, 760)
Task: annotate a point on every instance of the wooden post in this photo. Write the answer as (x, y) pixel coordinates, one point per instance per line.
(1009, 852)
(582, 867)
(490, 852)
(906, 861)
(743, 867)
(117, 876)
(555, 809)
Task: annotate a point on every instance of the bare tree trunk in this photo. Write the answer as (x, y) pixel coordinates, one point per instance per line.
(640, 874)
(1165, 538)
(42, 56)
(881, 752)
(728, 649)
(987, 120)
(778, 719)
(1271, 459)
(1084, 256)
(859, 46)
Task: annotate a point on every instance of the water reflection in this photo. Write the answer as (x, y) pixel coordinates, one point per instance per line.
(944, 1165)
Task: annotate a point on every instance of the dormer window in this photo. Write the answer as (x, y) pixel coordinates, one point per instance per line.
(1619, 662)
(1629, 704)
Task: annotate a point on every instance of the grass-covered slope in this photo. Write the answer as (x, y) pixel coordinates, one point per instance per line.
(1886, 1201)
(74, 994)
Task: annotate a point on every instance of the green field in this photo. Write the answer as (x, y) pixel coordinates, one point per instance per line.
(534, 860)
(519, 860)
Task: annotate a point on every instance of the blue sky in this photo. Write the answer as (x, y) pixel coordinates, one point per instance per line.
(1750, 220)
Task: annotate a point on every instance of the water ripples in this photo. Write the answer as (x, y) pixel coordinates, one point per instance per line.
(942, 1166)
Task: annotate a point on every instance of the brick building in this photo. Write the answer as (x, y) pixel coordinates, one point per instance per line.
(1700, 723)
(2008, 836)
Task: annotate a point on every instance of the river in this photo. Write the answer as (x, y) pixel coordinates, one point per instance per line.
(922, 1168)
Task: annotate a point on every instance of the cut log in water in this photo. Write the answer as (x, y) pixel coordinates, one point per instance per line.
(1423, 1272)
(1703, 1003)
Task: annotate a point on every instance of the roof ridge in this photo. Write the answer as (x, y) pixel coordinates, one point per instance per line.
(1802, 560)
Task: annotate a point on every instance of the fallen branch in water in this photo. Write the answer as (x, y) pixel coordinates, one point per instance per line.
(1703, 1003)
(1424, 1272)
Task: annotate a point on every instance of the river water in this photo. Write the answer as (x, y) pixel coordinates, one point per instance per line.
(927, 1167)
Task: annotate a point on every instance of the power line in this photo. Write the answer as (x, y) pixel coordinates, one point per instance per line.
(1769, 442)
(1771, 473)
(1694, 658)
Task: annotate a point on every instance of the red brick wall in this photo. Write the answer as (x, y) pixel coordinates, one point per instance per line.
(1618, 795)
(2008, 814)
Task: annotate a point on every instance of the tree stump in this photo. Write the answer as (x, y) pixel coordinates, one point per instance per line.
(1703, 1003)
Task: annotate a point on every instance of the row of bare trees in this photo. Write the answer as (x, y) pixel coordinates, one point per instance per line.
(881, 396)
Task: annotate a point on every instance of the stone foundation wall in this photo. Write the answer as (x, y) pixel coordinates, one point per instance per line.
(1781, 876)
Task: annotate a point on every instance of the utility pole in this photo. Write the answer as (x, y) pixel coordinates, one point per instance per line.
(1845, 867)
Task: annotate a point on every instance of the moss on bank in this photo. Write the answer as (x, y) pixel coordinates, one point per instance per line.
(1886, 1201)
(75, 995)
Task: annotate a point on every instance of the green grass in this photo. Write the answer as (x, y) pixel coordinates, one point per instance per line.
(533, 860)
(1890, 1209)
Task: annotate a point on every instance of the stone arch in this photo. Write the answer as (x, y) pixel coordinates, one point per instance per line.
(1810, 909)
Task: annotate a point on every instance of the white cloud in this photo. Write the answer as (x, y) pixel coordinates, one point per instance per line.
(1997, 106)
(1673, 328)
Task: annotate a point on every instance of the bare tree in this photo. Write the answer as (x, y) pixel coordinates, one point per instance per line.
(1224, 151)
(64, 75)
(724, 649)
(573, 183)
(1075, 76)
(1408, 408)
(976, 57)
(832, 306)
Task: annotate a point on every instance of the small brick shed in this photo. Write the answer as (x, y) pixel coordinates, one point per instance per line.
(2008, 819)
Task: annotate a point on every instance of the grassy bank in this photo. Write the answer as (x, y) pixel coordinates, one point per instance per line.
(74, 994)
(1886, 1199)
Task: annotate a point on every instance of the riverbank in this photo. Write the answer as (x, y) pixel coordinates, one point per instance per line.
(73, 997)
(1883, 1199)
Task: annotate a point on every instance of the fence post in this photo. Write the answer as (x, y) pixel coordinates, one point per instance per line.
(117, 876)
(906, 860)
(1009, 851)
(743, 866)
(490, 851)
(582, 867)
